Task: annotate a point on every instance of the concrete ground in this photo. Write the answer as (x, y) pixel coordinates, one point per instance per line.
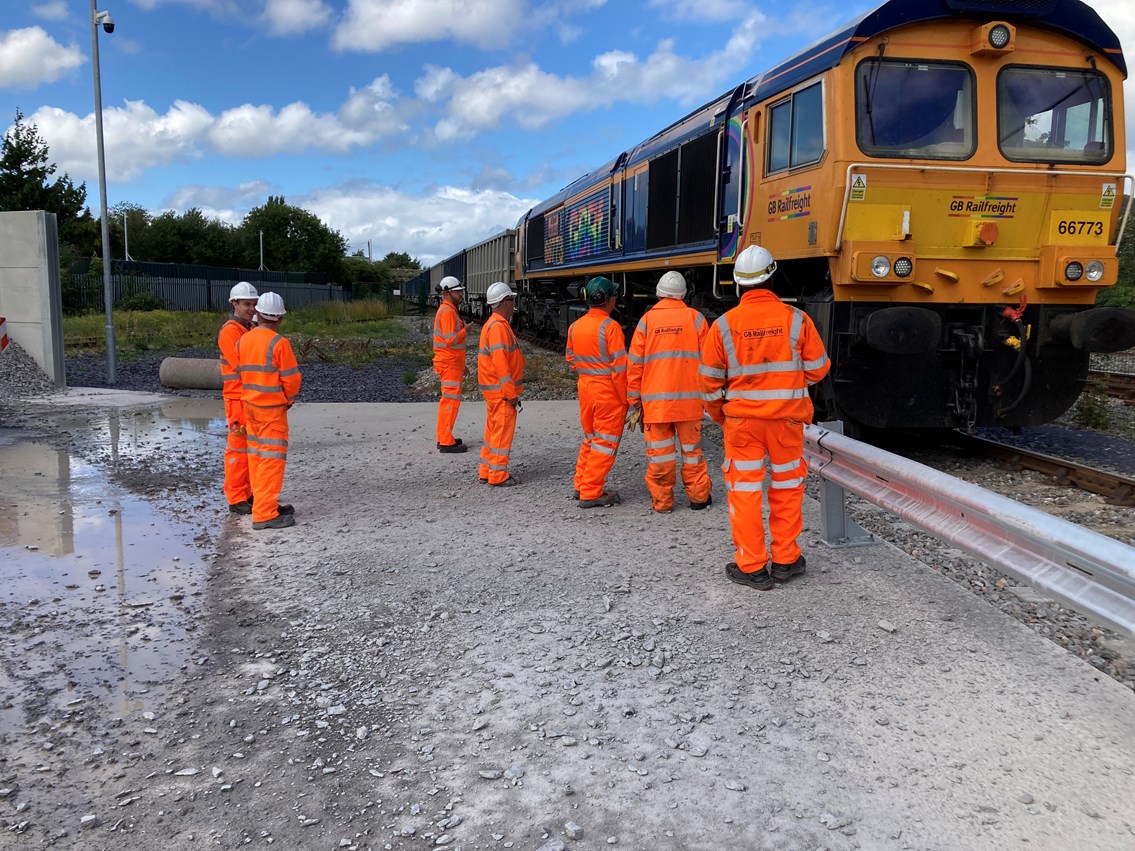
(424, 661)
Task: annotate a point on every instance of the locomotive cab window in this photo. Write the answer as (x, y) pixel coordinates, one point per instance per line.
(1054, 115)
(914, 110)
(796, 129)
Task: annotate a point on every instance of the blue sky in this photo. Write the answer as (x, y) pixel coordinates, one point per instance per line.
(420, 125)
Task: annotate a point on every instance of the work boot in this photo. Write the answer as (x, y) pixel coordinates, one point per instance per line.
(759, 579)
(285, 508)
(242, 507)
(784, 572)
(603, 499)
(511, 481)
(575, 495)
(700, 506)
(456, 446)
(280, 521)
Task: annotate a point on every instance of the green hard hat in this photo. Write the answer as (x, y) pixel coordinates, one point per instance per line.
(598, 290)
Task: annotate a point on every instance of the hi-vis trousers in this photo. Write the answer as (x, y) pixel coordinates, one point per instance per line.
(661, 462)
(747, 443)
(237, 488)
(500, 426)
(450, 403)
(267, 457)
(601, 416)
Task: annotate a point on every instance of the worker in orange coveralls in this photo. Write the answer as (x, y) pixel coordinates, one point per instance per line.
(500, 374)
(664, 388)
(270, 379)
(757, 363)
(449, 361)
(242, 298)
(597, 351)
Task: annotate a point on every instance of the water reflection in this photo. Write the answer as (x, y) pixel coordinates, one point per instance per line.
(96, 587)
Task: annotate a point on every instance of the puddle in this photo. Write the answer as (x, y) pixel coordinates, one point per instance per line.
(98, 587)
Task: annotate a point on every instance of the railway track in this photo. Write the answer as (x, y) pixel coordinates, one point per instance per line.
(1118, 385)
(1115, 488)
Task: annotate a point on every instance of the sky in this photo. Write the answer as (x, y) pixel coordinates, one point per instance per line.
(417, 126)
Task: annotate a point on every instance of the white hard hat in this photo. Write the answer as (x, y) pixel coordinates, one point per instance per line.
(754, 266)
(498, 292)
(671, 285)
(242, 290)
(270, 306)
(449, 283)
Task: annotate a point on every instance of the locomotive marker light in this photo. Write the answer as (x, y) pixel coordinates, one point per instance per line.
(880, 267)
(904, 266)
(1074, 270)
(1094, 271)
(993, 38)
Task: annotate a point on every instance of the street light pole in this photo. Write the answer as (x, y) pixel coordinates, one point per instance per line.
(108, 293)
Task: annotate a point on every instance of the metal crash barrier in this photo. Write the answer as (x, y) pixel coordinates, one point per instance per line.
(1079, 568)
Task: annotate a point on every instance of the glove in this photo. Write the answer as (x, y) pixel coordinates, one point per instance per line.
(634, 418)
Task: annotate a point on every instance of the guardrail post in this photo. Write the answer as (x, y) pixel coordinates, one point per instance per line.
(839, 529)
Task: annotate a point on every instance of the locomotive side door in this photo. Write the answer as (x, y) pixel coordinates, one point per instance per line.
(732, 178)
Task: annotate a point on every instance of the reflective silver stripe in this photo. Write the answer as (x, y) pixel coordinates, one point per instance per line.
(605, 450)
(784, 468)
(749, 465)
(603, 340)
(641, 327)
(749, 487)
(248, 367)
(661, 459)
(660, 397)
(451, 396)
(272, 441)
(449, 385)
(237, 451)
(293, 371)
(264, 388)
(770, 366)
(815, 364)
(794, 333)
(224, 361)
(264, 454)
(711, 371)
(489, 386)
(760, 395)
(699, 321)
(691, 447)
(589, 359)
(596, 371)
(635, 359)
(497, 467)
(228, 377)
(727, 343)
(505, 379)
(508, 347)
(714, 396)
(691, 460)
(659, 444)
(613, 438)
(674, 355)
(789, 483)
(493, 450)
(271, 350)
(633, 395)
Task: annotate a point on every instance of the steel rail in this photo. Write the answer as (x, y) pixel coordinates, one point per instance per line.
(1081, 569)
(1115, 488)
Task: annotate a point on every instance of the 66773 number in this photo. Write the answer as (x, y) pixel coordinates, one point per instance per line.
(1080, 228)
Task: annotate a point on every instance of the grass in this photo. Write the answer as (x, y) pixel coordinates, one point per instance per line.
(355, 332)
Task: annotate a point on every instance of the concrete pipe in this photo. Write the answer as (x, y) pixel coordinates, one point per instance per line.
(190, 373)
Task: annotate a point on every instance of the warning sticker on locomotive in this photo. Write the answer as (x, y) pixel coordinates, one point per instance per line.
(984, 206)
(1107, 196)
(859, 187)
(790, 204)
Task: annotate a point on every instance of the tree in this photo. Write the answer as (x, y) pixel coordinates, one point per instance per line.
(294, 241)
(26, 184)
(400, 260)
(137, 222)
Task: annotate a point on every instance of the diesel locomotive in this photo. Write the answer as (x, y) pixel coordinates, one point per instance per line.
(942, 183)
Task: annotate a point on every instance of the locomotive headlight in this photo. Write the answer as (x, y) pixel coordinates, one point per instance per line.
(999, 36)
(903, 267)
(880, 267)
(1074, 270)
(1094, 271)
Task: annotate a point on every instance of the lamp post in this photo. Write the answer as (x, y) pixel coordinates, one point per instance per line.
(107, 23)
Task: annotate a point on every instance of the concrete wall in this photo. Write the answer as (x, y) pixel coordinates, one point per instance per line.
(30, 294)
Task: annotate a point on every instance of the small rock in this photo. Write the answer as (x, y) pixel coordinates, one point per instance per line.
(573, 830)
(887, 626)
(491, 773)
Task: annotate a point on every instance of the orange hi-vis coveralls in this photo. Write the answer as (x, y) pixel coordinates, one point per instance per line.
(237, 488)
(662, 375)
(271, 380)
(597, 351)
(500, 375)
(756, 365)
(449, 364)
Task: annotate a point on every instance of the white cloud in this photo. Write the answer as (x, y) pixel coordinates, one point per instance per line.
(222, 202)
(51, 10)
(294, 17)
(30, 56)
(532, 97)
(374, 25)
(428, 225)
(701, 10)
